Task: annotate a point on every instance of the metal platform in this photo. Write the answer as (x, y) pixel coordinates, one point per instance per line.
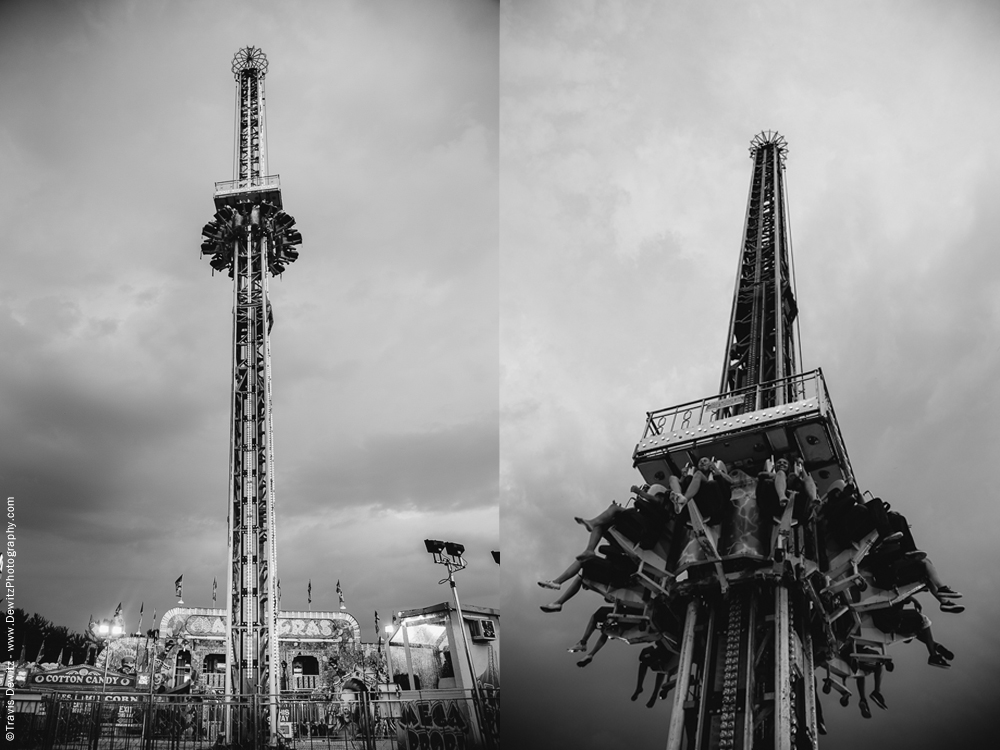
(736, 429)
(235, 192)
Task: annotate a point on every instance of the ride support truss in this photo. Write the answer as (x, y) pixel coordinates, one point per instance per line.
(761, 345)
(251, 238)
(745, 677)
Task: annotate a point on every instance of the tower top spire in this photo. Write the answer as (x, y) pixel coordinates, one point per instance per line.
(769, 138)
(249, 59)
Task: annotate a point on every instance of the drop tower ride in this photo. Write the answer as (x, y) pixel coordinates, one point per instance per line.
(252, 238)
(748, 614)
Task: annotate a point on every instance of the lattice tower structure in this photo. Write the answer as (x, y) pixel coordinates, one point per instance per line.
(746, 673)
(252, 238)
(763, 345)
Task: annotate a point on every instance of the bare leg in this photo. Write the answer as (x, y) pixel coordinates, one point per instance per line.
(568, 594)
(597, 647)
(691, 493)
(640, 679)
(597, 527)
(596, 532)
(695, 485)
(588, 631)
(810, 486)
(933, 578)
(657, 684)
(571, 591)
(571, 571)
(676, 496)
(781, 487)
(808, 503)
(604, 517)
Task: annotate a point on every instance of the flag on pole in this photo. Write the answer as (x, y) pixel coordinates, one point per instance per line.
(378, 632)
(154, 622)
(309, 592)
(215, 588)
(59, 660)
(179, 587)
(119, 619)
(340, 593)
(279, 591)
(142, 606)
(38, 656)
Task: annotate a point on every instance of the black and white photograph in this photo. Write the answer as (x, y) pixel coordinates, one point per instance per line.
(308, 305)
(249, 319)
(699, 199)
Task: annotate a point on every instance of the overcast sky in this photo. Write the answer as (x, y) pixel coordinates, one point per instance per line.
(116, 118)
(622, 174)
(624, 171)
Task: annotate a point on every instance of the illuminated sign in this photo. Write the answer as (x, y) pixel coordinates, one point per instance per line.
(324, 626)
(83, 676)
(313, 628)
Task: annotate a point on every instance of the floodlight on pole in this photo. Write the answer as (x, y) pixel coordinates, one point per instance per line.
(107, 631)
(450, 554)
(447, 553)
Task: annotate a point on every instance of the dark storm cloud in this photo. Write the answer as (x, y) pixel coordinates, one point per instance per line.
(381, 120)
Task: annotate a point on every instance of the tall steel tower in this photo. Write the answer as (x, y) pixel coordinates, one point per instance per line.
(751, 652)
(253, 238)
(761, 344)
(752, 619)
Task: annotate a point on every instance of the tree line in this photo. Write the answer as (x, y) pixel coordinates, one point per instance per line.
(37, 640)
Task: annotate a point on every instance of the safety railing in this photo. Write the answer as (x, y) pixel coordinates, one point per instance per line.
(229, 187)
(702, 411)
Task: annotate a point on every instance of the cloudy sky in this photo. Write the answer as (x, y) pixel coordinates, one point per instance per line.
(116, 120)
(624, 171)
(622, 174)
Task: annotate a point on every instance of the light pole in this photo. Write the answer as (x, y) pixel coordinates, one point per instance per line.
(450, 555)
(105, 631)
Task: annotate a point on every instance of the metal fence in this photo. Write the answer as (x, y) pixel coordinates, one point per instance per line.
(412, 720)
